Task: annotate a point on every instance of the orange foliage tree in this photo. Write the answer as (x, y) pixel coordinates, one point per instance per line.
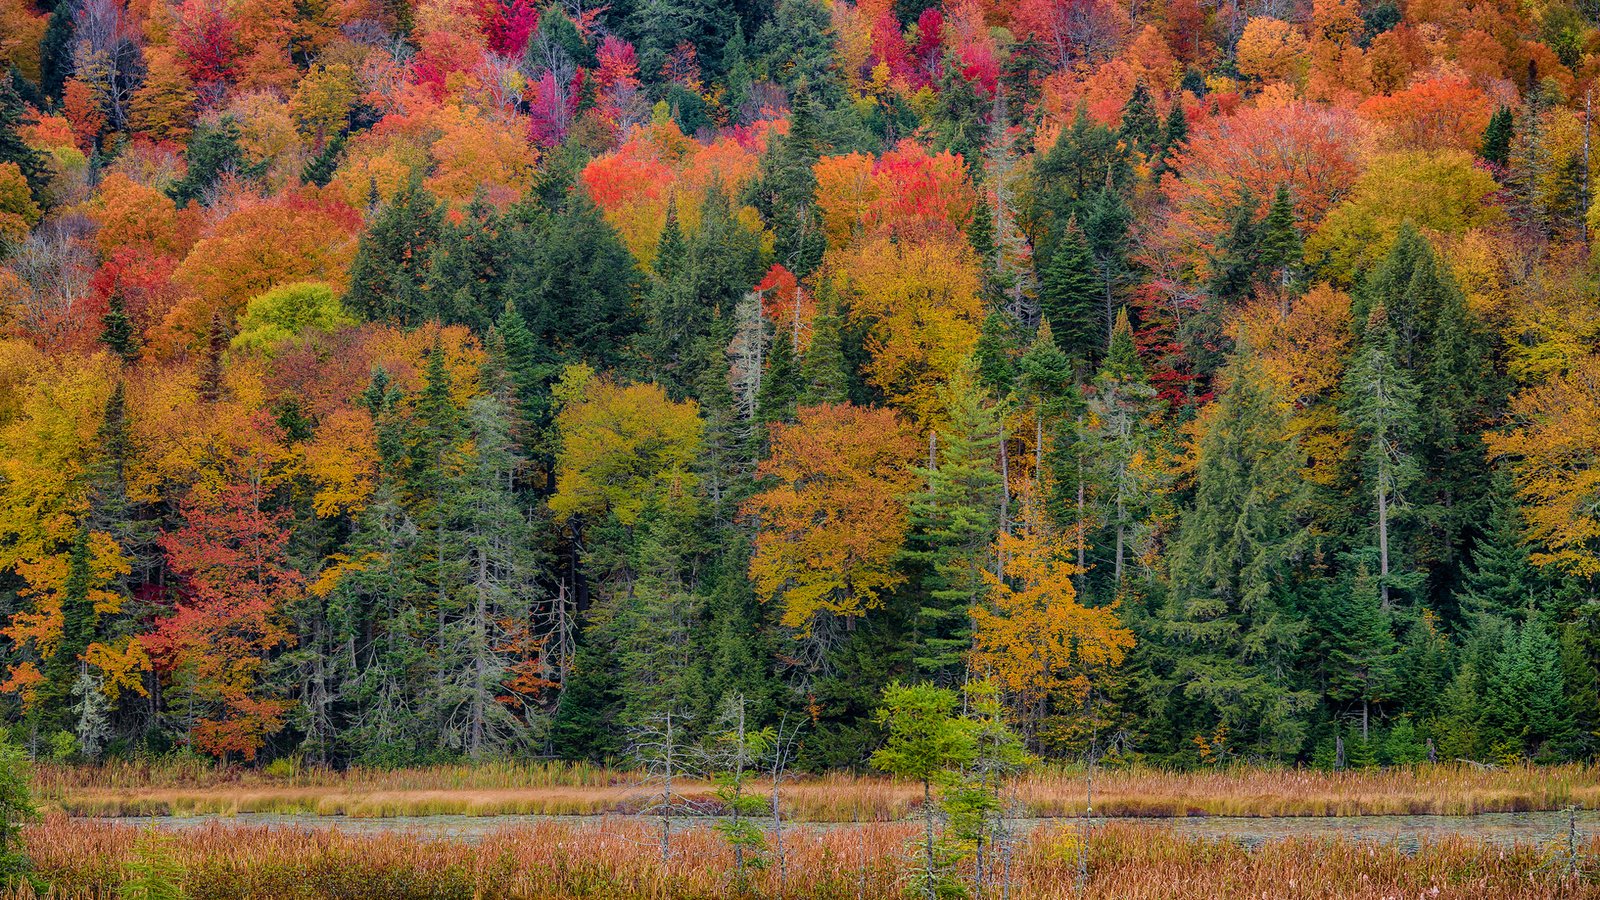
(833, 516)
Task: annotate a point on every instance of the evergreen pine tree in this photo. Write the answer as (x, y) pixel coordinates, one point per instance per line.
(574, 283)
(1071, 296)
(117, 330)
(783, 383)
(55, 50)
(1361, 646)
(320, 169)
(959, 115)
(1280, 247)
(1140, 128)
(13, 149)
(825, 372)
(1381, 409)
(466, 269)
(1238, 256)
(213, 150)
(953, 523)
(1105, 229)
(390, 269)
(1174, 135)
(676, 316)
(1524, 707)
(1231, 570)
(785, 190)
(1440, 347)
(1496, 146)
(1119, 441)
(997, 351)
(1501, 583)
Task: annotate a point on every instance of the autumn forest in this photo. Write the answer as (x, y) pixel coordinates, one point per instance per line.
(401, 382)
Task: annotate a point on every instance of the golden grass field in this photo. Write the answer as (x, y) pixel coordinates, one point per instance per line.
(123, 789)
(619, 859)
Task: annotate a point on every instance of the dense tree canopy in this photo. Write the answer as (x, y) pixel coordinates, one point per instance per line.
(408, 381)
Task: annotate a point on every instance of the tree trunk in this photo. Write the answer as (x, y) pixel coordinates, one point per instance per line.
(1383, 542)
(927, 817)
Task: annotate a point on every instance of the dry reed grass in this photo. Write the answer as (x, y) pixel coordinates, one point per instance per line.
(566, 789)
(618, 859)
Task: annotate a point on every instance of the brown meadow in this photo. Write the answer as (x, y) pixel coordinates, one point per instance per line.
(619, 859)
(122, 789)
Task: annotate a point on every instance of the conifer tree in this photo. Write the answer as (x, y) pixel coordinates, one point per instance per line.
(1361, 646)
(390, 270)
(1140, 128)
(785, 190)
(466, 268)
(1105, 229)
(1381, 401)
(1439, 346)
(1280, 246)
(783, 384)
(1231, 570)
(1120, 441)
(574, 283)
(1496, 146)
(13, 149)
(320, 169)
(1071, 297)
(1174, 135)
(55, 50)
(676, 315)
(213, 150)
(77, 626)
(996, 352)
(825, 371)
(1524, 706)
(1238, 257)
(953, 522)
(1501, 583)
(117, 330)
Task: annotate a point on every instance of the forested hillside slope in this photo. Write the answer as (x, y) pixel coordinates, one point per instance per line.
(390, 382)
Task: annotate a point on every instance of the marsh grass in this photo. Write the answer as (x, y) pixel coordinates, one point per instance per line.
(619, 859)
(553, 788)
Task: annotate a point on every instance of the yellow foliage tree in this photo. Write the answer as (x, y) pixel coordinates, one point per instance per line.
(833, 519)
(1272, 50)
(922, 310)
(1033, 636)
(18, 212)
(1554, 449)
(624, 447)
(1442, 191)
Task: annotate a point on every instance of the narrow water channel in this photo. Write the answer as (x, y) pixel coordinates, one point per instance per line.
(1406, 831)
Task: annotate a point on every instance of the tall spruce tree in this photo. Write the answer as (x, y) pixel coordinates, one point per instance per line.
(1071, 297)
(1119, 440)
(1381, 410)
(1140, 128)
(1496, 146)
(1232, 602)
(390, 271)
(1440, 347)
(785, 190)
(953, 522)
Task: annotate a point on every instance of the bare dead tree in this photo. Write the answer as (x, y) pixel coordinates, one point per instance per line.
(661, 748)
